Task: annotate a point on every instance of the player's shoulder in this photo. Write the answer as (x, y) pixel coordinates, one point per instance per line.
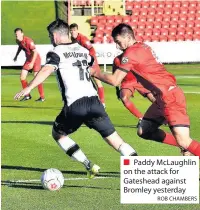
(117, 59)
(83, 36)
(28, 39)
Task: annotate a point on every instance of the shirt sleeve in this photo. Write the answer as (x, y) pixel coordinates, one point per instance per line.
(85, 42)
(31, 44)
(126, 62)
(52, 59)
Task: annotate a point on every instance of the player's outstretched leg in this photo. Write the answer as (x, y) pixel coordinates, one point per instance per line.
(72, 149)
(119, 145)
(100, 90)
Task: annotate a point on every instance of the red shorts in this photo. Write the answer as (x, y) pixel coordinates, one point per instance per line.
(172, 107)
(134, 85)
(36, 66)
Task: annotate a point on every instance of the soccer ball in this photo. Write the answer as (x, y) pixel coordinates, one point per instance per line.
(52, 179)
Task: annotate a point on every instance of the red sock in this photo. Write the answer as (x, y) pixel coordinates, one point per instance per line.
(131, 107)
(24, 83)
(41, 90)
(169, 139)
(101, 94)
(194, 148)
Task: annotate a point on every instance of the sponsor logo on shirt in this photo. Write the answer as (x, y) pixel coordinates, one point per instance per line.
(124, 60)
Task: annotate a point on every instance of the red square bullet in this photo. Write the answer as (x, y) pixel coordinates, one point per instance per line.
(126, 162)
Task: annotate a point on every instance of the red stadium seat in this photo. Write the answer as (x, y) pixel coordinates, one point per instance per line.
(157, 24)
(160, 11)
(197, 24)
(151, 11)
(192, 11)
(108, 27)
(133, 26)
(94, 21)
(173, 24)
(177, 4)
(171, 38)
(143, 12)
(146, 38)
(185, 4)
(191, 17)
(100, 27)
(139, 38)
(172, 31)
(184, 10)
(129, 6)
(196, 31)
(154, 4)
(167, 11)
(193, 4)
(102, 22)
(150, 18)
(174, 17)
(135, 12)
(163, 38)
(133, 19)
(180, 38)
(159, 18)
(198, 10)
(155, 38)
(126, 19)
(148, 32)
(141, 26)
(139, 32)
(145, 4)
(189, 31)
(196, 37)
(137, 4)
(149, 25)
(97, 40)
(118, 19)
(183, 17)
(142, 19)
(181, 24)
(99, 34)
(175, 11)
(190, 23)
(164, 32)
(156, 32)
(168, 4)
(180, 31)
(166, 18)
(197, 16)
(165, 24)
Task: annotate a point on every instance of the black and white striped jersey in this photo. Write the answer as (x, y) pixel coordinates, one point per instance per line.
(71, 62)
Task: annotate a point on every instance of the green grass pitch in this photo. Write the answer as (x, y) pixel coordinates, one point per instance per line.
(28, 148)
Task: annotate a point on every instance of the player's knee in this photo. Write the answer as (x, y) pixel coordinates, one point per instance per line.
(144, 134)
(124, 99)
(55, 135)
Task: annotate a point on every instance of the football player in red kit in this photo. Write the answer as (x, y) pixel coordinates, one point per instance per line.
(139, 59)
(33, 61)
(127, 88)
(85, 42)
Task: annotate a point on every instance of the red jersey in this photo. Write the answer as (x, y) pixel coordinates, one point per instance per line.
(27, 46)
(142, 62)
(85, 42)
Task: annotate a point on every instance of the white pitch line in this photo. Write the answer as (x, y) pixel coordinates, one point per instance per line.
(67, 179)
(191, 92)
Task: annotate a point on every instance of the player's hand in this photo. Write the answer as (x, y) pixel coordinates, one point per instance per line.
(22, 93)
(15, 59)
(118, 93)
(30, 65)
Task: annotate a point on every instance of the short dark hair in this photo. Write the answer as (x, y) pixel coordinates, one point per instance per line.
(73, 25)
(18, 29)
(122, 29)
(58, 25)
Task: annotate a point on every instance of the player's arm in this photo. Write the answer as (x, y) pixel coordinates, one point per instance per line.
(51, 65)
(35, 53)
(17, 53)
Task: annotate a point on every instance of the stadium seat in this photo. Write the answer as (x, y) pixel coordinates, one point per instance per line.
(197, 17)
(197, 24)
(143, 11)
(126, 19)
(151, 11)
(193, 4)
(174, 17)
(102, 21)
(183, 17)
(108, 27)
(160, 11)
(196, 37)
(172, 31)
(175, 11)
(171, 38)
(167, 11)
(139, 32)
(157, 24)
(165, 24)
(94, 21)
(150, 18)
(129, 6)
(100, 27)
(190, 23)
(191, 17)
(181, 24)
(192, 11)
(148, 32)
(141, 26)
(133, 26)
(155, 38)
(180, 31)
(97, 40)
(173, 24)
(134, 19)
(139, 38)
(99, 34)
(137, 5)
(164, 31)
(159, 18)
(166, 18)
(163, 38)
(146, 38)
(176, 4)
(145, 4)
(149, 25)
(156, 32)
(118, 19)
(180, 38)
(142, 19)
(198, 10)
(184, 10)
(136, 12)
(169, 4)
(185, 4)
(154, 4)
(196, 31)
(189, 31)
